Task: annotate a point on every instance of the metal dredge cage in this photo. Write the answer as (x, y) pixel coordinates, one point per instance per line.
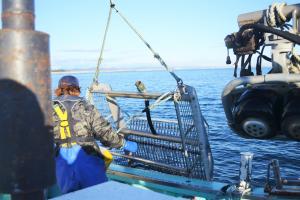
(180, 145)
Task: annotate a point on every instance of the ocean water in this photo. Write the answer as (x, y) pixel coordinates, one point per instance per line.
(226, 146)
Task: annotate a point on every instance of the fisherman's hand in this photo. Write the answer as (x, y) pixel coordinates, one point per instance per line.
(130, 146)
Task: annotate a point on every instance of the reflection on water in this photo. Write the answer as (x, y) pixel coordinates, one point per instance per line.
(226, 145)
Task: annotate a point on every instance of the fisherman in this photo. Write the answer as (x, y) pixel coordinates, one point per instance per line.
(77, 125)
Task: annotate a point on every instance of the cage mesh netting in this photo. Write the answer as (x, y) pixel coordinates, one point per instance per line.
(176, 148)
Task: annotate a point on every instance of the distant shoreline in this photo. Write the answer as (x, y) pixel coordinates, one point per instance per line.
(71, 71)
(88, 71)
(84, 71)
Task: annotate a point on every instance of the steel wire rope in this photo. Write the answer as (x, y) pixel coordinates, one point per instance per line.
(97, 71)
(156, 55)
(95, 80)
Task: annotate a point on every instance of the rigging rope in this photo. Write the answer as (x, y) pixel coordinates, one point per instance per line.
(96, 76)
(156, 55)
(275, 16)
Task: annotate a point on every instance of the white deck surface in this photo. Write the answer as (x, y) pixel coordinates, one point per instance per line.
(114, 191)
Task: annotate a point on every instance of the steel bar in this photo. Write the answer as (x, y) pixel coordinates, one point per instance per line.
(276, 172)
(291, 182)
(153, 163)
(208, 189)
(258, 16)
(159, 137)
(197, 152)
(199, 122)
(135, 95)
(284, 192)
(182, 136)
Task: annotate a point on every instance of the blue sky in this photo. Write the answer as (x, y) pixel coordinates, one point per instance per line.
(186, 33)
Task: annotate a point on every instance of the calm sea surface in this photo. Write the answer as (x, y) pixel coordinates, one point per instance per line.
(226, 145)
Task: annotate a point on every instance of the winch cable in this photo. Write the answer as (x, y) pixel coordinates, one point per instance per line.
(156, 55)
(265, 29)
(243, 65)
(248, 71)
(95, 80)
(236, 65)
(284, 34)
(259, 60)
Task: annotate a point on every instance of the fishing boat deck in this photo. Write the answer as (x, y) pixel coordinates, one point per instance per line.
(114, 190)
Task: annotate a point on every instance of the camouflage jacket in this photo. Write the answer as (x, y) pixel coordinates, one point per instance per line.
(86, 122)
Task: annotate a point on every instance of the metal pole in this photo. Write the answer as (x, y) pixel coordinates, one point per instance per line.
(276, 171)
(26, 139)
(258, 16)
(175, 169)
(245, 170)
(135, 95)
(158, 137)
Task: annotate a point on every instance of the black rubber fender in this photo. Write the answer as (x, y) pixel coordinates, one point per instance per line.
(290, 125)
(258, 106)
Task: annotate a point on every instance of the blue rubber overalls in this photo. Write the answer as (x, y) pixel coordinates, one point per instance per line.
(75, 168)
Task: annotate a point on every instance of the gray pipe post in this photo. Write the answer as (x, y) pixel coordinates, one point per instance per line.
(245, 171)
(26, 139)
(276, 171)
(258, 16)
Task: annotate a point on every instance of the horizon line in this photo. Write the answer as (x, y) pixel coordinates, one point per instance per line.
(90, 70)
(119, 69)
